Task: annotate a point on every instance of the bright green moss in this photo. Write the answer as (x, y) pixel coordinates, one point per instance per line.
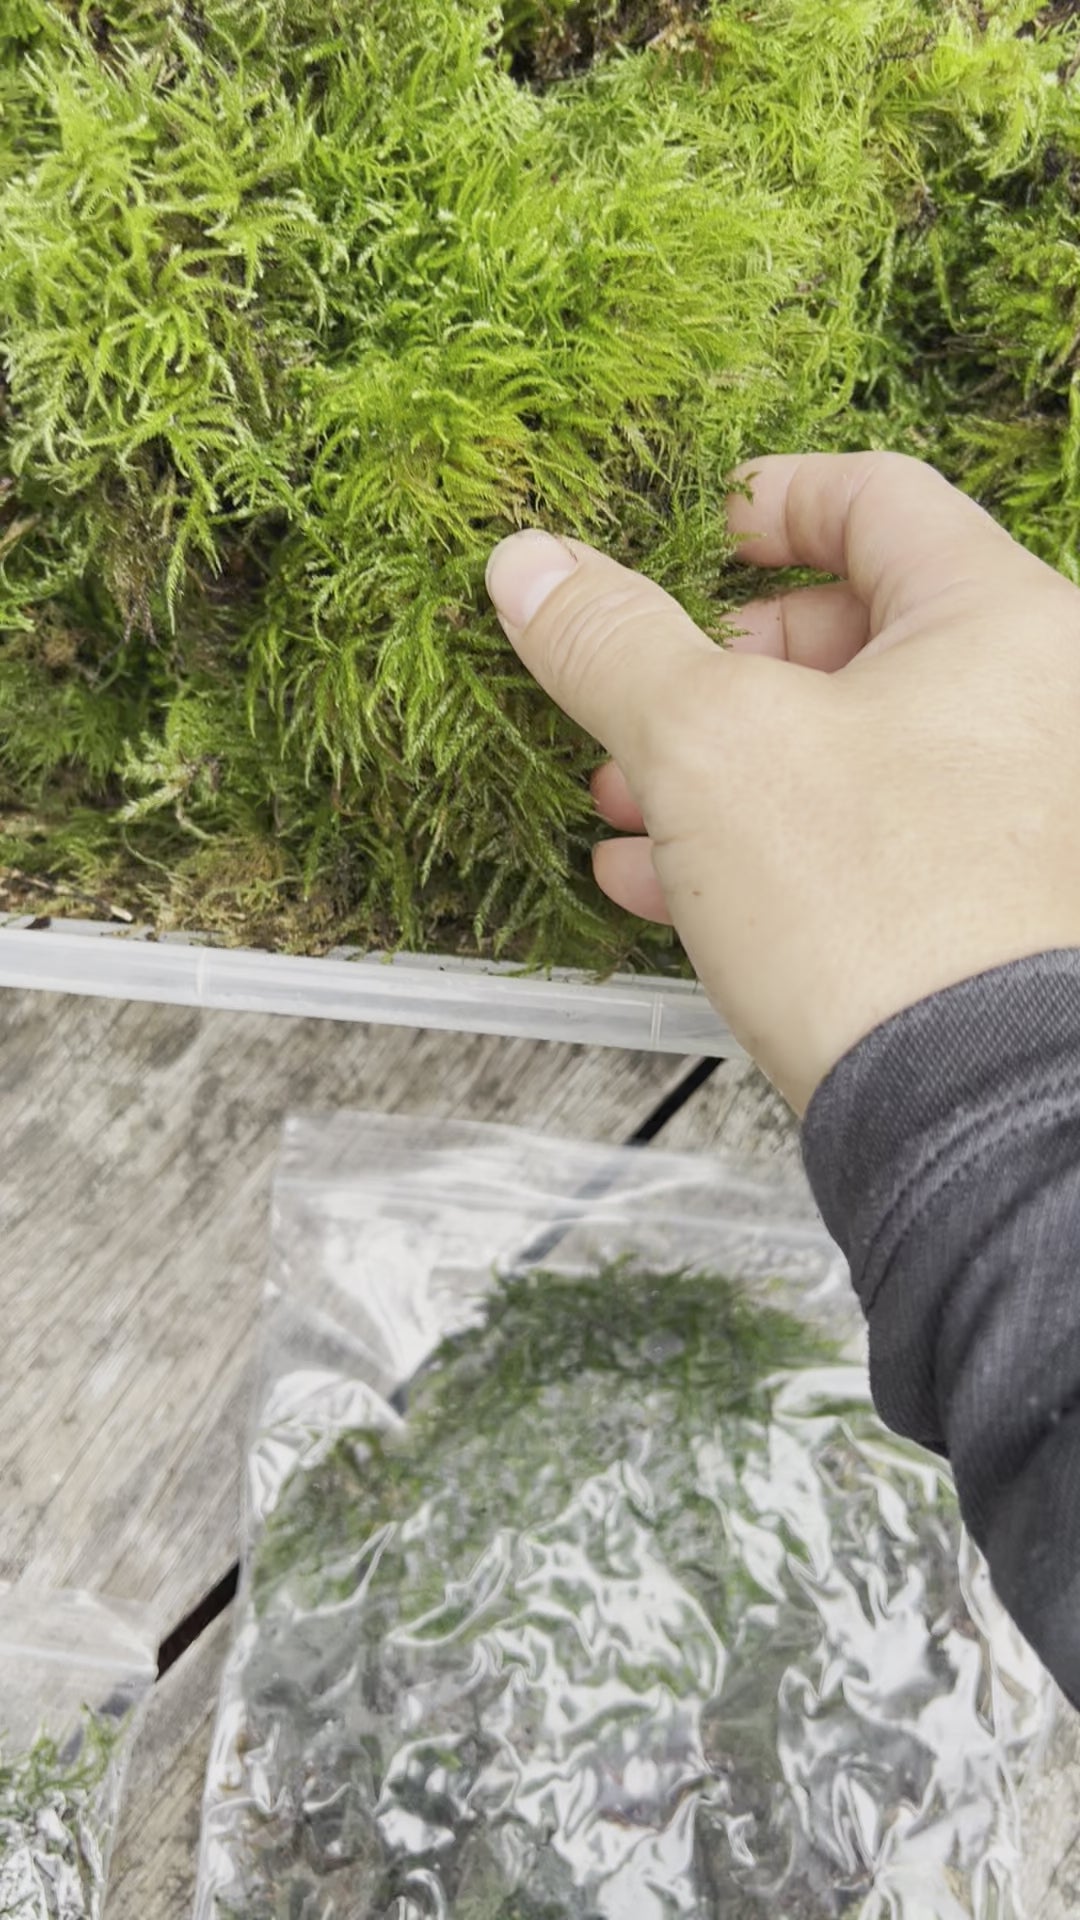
(305, 303)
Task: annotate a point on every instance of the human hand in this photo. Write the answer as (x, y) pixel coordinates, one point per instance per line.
(874, 794)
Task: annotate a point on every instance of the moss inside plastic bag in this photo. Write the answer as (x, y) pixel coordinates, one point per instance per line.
(75, 1671)
(636, 1611)
(57, 1807)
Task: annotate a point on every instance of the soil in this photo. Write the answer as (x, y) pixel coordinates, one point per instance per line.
(596, 28)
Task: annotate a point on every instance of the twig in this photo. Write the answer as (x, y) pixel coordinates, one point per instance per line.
(35, 884)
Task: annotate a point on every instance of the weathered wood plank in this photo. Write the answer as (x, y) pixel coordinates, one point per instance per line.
(739, 1112)
(1051, 1811)
(138, 1147)
(153, 1868)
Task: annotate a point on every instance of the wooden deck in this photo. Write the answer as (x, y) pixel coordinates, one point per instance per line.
(138, 1149)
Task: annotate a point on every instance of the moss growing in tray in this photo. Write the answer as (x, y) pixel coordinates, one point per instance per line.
(305, 303)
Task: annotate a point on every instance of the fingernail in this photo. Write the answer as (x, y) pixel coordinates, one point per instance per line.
(522, 571)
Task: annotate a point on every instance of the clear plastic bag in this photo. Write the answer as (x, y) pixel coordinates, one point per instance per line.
(74, 1674)
(581, 1580)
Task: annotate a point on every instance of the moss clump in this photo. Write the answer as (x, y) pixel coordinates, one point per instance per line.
(531, 1581)
(546, 1650)
(57, 1808)
(304, 305)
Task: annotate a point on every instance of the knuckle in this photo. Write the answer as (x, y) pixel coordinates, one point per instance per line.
(590, 631)
(881, 476)
(885, 461)
(894, 468)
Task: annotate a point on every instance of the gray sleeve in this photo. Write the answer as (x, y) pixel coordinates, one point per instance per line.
(944, 1153)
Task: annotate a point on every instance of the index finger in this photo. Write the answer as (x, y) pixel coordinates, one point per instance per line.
(890, 525)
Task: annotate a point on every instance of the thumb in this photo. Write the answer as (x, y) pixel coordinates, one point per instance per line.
(615, 651)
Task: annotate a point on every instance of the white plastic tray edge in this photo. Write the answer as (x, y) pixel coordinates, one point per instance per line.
(643, 1012)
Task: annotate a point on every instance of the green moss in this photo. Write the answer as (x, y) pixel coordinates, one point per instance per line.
(56, 1811)
(511, 1419)
(529, 1581)
(544, 1648)
(305, 305)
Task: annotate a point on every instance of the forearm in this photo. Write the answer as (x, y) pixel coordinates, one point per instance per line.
(944, 1152)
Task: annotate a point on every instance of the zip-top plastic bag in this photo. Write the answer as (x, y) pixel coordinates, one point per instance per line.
(581, 1580)
(74, 1674)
